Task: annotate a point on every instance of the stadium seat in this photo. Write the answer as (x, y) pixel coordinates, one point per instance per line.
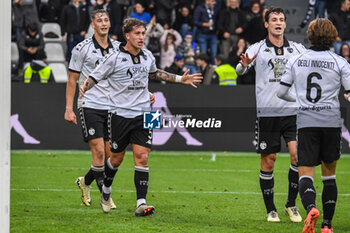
(14, 53)
(49, 31)
(59, 71)
(54, 52)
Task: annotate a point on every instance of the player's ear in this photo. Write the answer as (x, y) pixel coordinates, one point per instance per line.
(266, 24)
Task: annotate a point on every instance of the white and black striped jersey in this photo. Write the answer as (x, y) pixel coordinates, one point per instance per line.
(269, 67)
(85, 57)
(317, 77)
(127, 76)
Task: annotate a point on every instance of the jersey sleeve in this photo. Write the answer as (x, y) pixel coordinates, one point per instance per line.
(76, 62)
(105, 68)
(345, 76)
(153, 67)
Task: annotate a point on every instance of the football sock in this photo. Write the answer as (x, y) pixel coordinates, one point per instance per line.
(329, 199)
(293, 178)
(110, 172)
(141, 182)
(89, 177)
(307, 192)
(99, 174)
(267, 186)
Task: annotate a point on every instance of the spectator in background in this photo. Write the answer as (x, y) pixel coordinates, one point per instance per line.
(152, 41)
(230, 25)
(207, 70)
(115, 14)
(320, 8)
(31, 48)
(224, 72)
(255, 24)
(234, 58)
(178, 66)
(164, 11)
(169, 41)
(140, 13)
(184, 21)
(31, 45)
(345, 51)
(75, 22)
(205, 17)
(341, 21)
(24, 13)
(189, 49)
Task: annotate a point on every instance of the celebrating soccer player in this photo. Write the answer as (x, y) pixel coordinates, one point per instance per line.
(317, 75)
(127, 71)
(275, 117)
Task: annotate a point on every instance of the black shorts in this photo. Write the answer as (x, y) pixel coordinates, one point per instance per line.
(269, 131)
(318, 144)
(128, 130)
(94, 123)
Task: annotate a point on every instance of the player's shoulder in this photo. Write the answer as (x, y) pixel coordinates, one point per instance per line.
(147, 53)
(298, 46)
(339, 60)
(82, 45)
(257, 45)
(115, 43)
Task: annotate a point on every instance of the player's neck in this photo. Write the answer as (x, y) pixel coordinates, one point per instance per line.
(276, 40)
(131, 49)
(102, 40)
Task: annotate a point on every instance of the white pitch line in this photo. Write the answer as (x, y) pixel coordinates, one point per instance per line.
(175, 170)
(161, 191)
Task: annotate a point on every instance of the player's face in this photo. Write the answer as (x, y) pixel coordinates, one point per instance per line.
(136, 37)
(276, 24)
(101, 24)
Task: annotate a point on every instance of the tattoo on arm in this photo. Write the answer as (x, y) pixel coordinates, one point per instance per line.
(162, 75)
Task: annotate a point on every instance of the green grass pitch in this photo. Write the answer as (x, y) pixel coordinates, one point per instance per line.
(190, 194)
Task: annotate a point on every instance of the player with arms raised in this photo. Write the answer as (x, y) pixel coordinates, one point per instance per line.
(127, 71)
(275, 117)
(317, 75)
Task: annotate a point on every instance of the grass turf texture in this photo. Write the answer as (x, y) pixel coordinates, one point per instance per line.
(190, 194)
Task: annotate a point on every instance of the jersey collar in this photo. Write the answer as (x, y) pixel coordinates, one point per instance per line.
(135, 59)
(269, 43)
(98, 46)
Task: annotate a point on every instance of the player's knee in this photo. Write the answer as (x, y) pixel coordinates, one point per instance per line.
(116, 160)
(142, 159)
(268, 161)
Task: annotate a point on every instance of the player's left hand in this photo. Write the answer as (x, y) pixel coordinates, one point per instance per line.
(191, 79)
(152, 98)
(83, 89)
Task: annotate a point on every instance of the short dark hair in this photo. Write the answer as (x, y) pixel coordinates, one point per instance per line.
(98, 11)
(129, 23)
(33, 27)
(276, 10)
(221, 57)
(204, 57)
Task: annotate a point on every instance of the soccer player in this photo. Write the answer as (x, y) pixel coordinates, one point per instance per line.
(275, 117)
(317, 75)
(127, 71)
(94, 106)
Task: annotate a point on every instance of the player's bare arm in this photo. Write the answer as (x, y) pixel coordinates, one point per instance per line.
(69, 114)
(186, 79)
(89, 83)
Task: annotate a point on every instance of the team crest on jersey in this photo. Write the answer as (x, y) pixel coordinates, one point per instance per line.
(290, 50)
(279, 51)
(145, 57)
(91, 131)
(136, 59)
(263, 145)
(114, 145)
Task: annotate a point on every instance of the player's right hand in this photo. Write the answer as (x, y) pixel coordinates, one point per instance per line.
(346, 96)
(246, 60)
(70, 116)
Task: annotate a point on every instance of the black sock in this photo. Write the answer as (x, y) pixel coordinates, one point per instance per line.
(99, 174)
(141, 181)
(89, 177)
(329, 199)
(293, 189)
(267, 186)
(307, 192)
(110, 172)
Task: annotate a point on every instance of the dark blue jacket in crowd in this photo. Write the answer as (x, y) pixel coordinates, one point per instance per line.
(201, 16)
